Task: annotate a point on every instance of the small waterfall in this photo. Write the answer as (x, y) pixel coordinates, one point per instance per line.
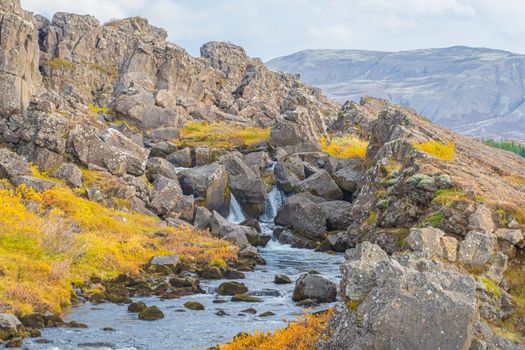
(236, 215)
(274, 201)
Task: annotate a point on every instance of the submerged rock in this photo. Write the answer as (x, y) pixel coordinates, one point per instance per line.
(137, 307)
(193, 305)
(246, 298)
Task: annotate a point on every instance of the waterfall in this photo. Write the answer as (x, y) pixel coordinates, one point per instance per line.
(274, 201)
(236, 215)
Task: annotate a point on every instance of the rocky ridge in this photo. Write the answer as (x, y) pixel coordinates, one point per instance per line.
(112, 103)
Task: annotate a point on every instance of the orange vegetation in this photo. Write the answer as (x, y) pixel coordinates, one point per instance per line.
(443, 151)
(302, 334)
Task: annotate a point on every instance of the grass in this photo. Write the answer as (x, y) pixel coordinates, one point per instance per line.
(372, 218)
(58, 63)
(449, 195)
(512, 146)
(302, 334)
(221, 135)
(443, 151)
(347, 146)
(491, 287)
(53, 240)
(514, 324)
(434, 220)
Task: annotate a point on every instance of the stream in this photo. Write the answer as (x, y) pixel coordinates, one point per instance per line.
(112, 327)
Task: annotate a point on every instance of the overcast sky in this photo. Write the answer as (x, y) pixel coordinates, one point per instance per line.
(272, 28)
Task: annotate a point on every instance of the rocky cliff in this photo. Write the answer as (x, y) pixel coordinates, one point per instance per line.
(475, 91)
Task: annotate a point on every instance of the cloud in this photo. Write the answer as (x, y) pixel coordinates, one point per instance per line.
(272, 28)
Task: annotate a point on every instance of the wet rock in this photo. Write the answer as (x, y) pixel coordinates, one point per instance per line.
(246, 298)
(221, 313)
(53, 320)
(303, 215)
(184, 282)
(193, 305)
(10, 327)
(267, 314)
(246, 185)
(14, 343)
(35, 321)
(44, 341)
(281, 279)
(308, 303)
(166, 265)
(232, 288)
(219, 301)
(311, 286)
(137, 307)
(75, 324)
(321, 184)
(210, 273)
(251, 311)
(108, 329)
(285, 236)
(70, 173)
(34, 333)
(151, 313)
(233, 274)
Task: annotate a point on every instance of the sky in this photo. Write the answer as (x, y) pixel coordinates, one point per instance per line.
(273, 28)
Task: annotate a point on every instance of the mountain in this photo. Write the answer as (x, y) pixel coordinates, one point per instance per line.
(475, 91)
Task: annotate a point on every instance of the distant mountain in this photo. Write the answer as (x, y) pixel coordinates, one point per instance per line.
(475, 91)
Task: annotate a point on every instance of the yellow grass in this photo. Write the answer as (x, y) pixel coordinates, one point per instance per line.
(52, 240)
(300, 335)
(347, 146)
(221, 135)
(443, 151)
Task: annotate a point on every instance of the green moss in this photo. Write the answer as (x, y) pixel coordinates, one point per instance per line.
(434, 220)
(58, 63)
(491, 287)
(353, 304)
(372, 218)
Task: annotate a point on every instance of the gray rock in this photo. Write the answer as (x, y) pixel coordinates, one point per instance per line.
(13, 165)
(477, 249)
(180, 158)
(70, 173)
(303, 215)
(166, 196)
(222, 228)
(163, 134)
(426, 241)
(514, 236)
(160, 166)
(37, 184)
(166, 264)
(207, 183)
(312, 286)
(202, 218)
(10, 327)
(321, 184)
(338, 214)
(482, 220)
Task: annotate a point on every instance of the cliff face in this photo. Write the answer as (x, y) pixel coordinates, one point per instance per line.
(474, 91)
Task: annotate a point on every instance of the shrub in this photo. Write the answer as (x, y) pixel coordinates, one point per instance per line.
(52, 240)
(221, 135)
(512, 146)
(302, 334)
(347, 146)
(58, 63)
(449, 195)
(443, 151)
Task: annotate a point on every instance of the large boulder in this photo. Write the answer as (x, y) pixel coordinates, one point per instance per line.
(409, 303)
(321, 184)
(338, 214)
(207, 183)
(166, 196)
(70, 173)
(303, 215)
(246, 185)
(160, 166)
(109, 149)
(222, 228)
(477, 250)
(10, 327)
(312, 286)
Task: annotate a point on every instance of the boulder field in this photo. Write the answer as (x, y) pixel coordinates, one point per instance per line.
(431, 223)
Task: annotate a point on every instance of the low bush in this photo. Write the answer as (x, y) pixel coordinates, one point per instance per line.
(347, 146)
(443, 151)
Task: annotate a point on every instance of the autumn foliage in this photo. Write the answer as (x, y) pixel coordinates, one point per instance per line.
(302, 334)
(443, 151)
(347, 146)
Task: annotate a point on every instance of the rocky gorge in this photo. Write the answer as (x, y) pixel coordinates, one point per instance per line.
(216, 197)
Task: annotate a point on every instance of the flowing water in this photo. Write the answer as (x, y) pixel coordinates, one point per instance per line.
(186, 329)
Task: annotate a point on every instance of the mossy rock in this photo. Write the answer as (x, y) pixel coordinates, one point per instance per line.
(249, 311)
(232, 288)
(210, 273)
(14, 343)
(282, 279)
(137, 307)
(246, 298)
(193, 305)
(152, 313)
(267, 314)
(233, 274)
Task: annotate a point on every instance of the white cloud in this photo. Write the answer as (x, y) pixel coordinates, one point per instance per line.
(276, 27)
